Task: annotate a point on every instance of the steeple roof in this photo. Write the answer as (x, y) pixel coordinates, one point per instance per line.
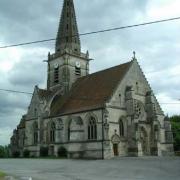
(68, 36)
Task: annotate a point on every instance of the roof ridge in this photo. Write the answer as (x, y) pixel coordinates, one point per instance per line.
(103, 70)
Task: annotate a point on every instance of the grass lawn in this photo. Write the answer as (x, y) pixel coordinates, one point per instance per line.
(2, 175)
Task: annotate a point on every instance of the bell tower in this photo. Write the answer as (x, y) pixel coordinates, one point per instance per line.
(68, 63)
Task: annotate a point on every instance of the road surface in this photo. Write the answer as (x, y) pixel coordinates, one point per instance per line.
(124, 168)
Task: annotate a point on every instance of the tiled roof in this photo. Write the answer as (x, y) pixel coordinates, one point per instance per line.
(90, 92)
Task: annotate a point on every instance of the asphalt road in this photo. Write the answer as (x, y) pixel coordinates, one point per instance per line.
(125, 168)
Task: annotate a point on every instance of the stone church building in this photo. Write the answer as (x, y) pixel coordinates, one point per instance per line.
(101, 115)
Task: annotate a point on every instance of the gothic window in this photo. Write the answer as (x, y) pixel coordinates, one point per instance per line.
(120, 99)
(35, 133)
(67, 14)
(56, 75)
(52, 132)
(121, 128)
(92, 129)
(69, 133)
(67, 26)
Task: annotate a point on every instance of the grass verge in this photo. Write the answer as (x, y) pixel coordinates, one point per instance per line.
(2, 175)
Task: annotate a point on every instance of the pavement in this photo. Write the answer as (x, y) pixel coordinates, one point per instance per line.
(121, 168)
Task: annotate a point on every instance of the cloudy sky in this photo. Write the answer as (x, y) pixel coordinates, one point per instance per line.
(157, 47)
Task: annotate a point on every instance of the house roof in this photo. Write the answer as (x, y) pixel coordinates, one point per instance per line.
(91, 91)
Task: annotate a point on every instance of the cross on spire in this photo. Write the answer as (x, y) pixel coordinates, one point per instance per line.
(68, 36)
(134, 55)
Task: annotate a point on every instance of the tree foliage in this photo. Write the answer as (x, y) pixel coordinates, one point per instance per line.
(4, 151)
(175, 123)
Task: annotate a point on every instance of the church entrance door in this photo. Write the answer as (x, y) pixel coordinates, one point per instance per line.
(115, 149)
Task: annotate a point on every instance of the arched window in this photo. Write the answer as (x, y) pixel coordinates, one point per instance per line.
(121, 128)
(52, 132)
(92, 129)
(35, 133)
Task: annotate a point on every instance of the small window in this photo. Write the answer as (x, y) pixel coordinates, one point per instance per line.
(121, 128)
(120, 99)
(56, 75)
(78, 71)
(67, 3)
(35, 133)
(67, 26)
(52, 132)
(67, 14)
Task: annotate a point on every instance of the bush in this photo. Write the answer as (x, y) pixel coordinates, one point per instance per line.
(16, 154)
(62, 152)
(2, 152)
(44, 151)
(26, 153)
(175, 123)
(2, 174)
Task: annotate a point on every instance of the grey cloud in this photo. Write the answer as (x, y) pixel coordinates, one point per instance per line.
(23, 21)
(28, 73)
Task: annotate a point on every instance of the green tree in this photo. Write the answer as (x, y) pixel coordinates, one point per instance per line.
(175, 123)
(2, 152)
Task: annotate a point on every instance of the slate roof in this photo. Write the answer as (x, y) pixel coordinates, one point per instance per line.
(91, 91)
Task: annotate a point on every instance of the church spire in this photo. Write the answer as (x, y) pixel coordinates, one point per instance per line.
(68, 36)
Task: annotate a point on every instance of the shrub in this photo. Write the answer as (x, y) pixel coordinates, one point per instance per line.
(2, 174)
(62, 152)
(26, 153)
(44, 151)
(16, 154)
(2, 152)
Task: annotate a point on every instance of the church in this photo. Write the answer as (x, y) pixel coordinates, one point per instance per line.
(109, 113)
